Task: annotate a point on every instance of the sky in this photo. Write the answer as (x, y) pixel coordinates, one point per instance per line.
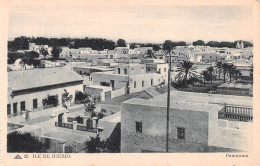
(134, 23)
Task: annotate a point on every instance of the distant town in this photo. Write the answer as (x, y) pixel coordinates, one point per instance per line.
(94, 95)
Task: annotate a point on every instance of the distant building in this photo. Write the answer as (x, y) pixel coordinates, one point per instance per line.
(38, 48)
(240, 44)
(133, 77)
(28, 89)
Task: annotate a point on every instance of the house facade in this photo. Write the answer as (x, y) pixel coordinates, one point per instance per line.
(37, 89)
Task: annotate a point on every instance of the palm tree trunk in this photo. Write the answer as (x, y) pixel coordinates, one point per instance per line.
(185, 79)
(224, 74)
(211, 78)
(230, 75)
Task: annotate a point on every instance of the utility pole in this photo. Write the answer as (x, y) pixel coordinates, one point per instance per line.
(168, 103)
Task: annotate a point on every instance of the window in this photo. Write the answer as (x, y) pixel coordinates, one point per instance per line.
(135, 84)
(22, 105)
(89, 123)
(8, 109)
(35, 104)
(142, 83)
(118, 70)
(138, 127)
(125, 71)
(159, 71)
(151, 81)
(165, 68)
(180, 133)
(132, 70)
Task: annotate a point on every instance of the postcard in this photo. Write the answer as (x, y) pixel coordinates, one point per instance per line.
(129, 83)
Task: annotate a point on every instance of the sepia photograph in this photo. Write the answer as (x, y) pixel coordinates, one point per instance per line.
(126, 78)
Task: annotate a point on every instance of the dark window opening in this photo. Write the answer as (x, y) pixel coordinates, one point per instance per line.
(22, 105)
(180, 133)
(139, 127)
(35, 104)
(15, 107)
(8, 109)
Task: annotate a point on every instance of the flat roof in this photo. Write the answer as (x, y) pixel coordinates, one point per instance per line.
(99, 87)
(207, 98)
(183, 105)
(131, 64)
(95, 67)
(115, 118)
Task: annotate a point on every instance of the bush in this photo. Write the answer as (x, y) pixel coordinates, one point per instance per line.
(26, 143)
(79, 119)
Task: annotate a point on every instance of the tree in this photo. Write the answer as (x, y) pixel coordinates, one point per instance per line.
(210, 70)
(225, 69)
(56, 51)
(198, 42)
(213, 44)
(25, 143)
(149, 54)
(80, 96)
(90, 106)
(66, 99)
(121, 43)
(101, 114)
(206, 76)
(219, 66)
(236, 72)
(186, 71)
(44, 52)
(95, 145)
(230, 68)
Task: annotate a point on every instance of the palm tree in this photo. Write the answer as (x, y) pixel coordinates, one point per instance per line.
(236, 72)
(225, 68)
(150, 54)
(168, 47)
(230, 68)
(218, 65)
(205, 75)
(186, 70)
(210, 70)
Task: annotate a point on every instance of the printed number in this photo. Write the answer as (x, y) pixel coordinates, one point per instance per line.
(26, 156)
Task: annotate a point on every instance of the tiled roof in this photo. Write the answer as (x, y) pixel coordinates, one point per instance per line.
(26, 79)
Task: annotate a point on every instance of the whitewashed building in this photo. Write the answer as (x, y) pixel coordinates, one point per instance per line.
(28, 89)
